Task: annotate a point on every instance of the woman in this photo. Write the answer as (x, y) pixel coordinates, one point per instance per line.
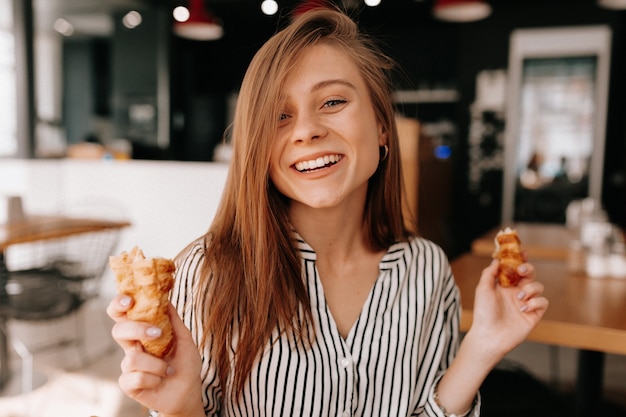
(308, 296)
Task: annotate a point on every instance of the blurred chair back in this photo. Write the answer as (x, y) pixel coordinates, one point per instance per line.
(53, 279)
(84, 258)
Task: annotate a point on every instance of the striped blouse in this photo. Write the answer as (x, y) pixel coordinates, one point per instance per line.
(401, 344)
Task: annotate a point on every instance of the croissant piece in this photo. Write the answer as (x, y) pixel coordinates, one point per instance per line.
(509, 253)
(148, 281)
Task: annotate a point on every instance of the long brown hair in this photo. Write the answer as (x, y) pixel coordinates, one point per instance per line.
(251, 281)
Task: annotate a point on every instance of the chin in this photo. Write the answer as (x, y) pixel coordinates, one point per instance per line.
(316, 203)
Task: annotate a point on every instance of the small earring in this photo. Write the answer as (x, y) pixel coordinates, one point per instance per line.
(384, 152)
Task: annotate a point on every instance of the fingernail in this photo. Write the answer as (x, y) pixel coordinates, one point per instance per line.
(125, 301)
(523, 308)
(169, 371)
(520, 295)
(522, 269)
(153, 332)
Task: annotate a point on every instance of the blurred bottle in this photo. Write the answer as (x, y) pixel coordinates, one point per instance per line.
(617, 255)
(597, 258)
(12, 209)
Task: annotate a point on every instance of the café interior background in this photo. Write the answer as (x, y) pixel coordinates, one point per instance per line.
(171, 98)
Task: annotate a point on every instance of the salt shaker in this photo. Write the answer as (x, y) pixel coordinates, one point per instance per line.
(597, 259)
(617, 260)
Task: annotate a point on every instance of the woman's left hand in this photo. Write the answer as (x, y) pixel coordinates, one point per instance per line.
(504, 316)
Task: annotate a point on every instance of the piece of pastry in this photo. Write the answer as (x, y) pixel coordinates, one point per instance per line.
(148, 281)
(509, 253)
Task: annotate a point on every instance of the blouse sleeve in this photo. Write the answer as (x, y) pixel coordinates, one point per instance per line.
(188, 268)
(450, 339)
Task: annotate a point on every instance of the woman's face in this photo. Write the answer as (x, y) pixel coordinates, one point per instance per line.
(328, 138)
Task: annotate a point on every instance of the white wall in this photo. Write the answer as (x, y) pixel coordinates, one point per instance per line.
(168, 203)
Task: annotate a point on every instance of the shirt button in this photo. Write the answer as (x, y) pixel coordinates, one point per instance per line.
(345, 362)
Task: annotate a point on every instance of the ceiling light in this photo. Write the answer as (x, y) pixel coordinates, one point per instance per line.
(131, 19)
(269, 7)
(181, 14)
(64, 27)
(200, 25)
(372, 3)
(461, 10)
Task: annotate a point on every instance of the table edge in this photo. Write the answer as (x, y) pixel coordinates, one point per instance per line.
(571, 335)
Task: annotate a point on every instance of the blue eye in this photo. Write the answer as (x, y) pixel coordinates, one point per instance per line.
(334, 102)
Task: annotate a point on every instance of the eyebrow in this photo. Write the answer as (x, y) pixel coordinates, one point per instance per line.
(326, 83)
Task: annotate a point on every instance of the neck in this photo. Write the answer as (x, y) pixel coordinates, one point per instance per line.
(333, 232)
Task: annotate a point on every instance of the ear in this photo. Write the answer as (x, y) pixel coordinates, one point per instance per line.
(382, 135)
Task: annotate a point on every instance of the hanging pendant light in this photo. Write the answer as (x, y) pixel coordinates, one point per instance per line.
(461, 10)
(201, 25)
(309, 5)
(613, 4)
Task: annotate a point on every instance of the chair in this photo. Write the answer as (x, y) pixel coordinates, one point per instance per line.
(52, 280)
(35, 295)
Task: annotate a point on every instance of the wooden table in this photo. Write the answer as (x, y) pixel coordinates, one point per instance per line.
(33, 229)
(539, 240)
(585, 313)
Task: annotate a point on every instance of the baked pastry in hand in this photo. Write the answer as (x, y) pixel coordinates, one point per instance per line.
(148, 281)
(509, 253)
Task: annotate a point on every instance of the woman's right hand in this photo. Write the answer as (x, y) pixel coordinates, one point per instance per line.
(171, 385)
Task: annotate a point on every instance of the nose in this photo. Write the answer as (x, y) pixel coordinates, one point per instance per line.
(308, 126)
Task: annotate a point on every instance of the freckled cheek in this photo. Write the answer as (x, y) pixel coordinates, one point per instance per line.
(275, 158)
(276, 152)
(373, 157)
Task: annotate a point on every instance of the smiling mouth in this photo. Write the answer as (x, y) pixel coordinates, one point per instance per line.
(318, 163)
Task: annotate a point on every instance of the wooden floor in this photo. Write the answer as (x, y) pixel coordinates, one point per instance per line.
(64, 387)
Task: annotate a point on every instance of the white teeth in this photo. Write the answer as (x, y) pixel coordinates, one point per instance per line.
(317, 163)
